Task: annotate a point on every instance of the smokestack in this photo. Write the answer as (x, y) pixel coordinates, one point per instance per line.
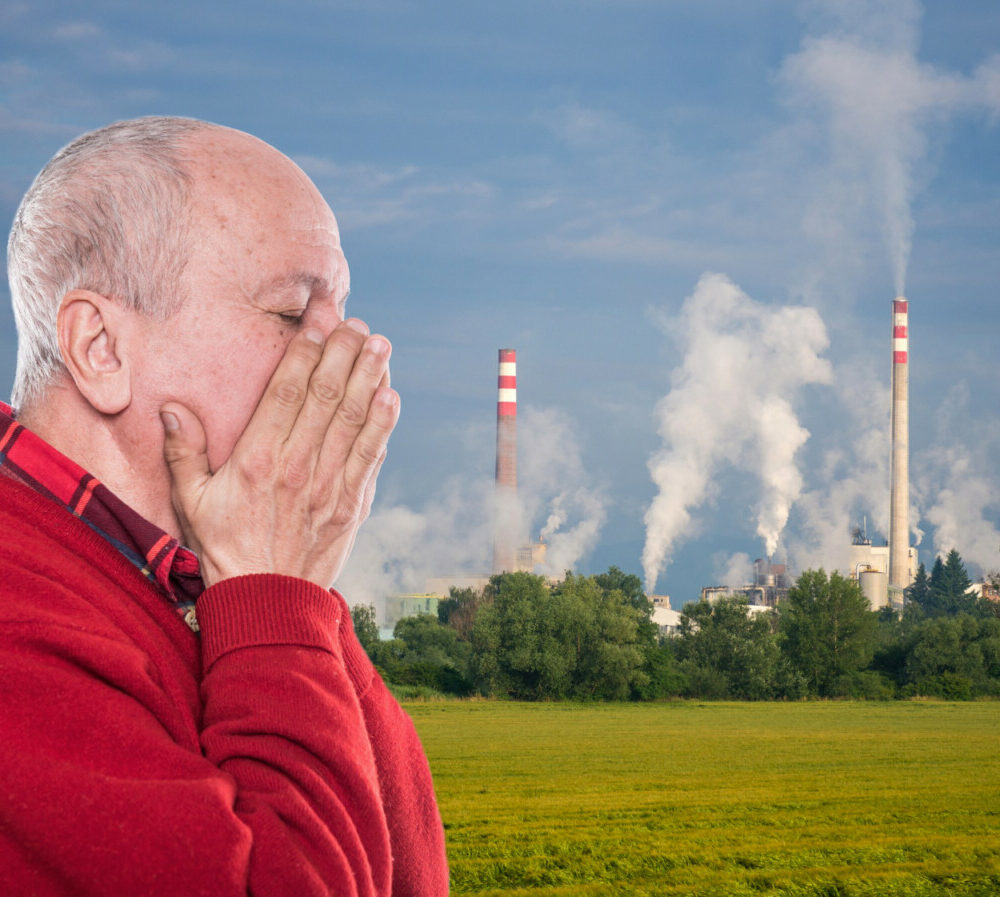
(899, 498)
(505, 522)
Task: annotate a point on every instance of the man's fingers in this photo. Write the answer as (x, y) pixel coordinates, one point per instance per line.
(339, 395)
(369, 496)
(369, 447)
(370, 373)
(279, 407)
(184, 448)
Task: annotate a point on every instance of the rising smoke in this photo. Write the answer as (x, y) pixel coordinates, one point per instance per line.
(873, 106)
(956, 484)
(850, 482)
(554, 486)
(861, 83)
(966, 498)
(400, 548)
(733, 570)
(866, 106)
(731, 402)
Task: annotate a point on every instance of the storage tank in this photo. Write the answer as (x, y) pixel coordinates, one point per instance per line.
(875, 587)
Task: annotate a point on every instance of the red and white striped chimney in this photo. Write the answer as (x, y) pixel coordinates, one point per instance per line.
(899, 494)
(505, 523)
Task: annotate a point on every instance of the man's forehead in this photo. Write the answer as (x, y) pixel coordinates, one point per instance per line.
(234, 171)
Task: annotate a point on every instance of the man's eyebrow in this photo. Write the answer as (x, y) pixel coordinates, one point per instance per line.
(312, 282)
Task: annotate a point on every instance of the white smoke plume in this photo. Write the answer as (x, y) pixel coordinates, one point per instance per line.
(851, 481)
(961, 508)
(870, 112)
(400, 548)
(553, 484)
(734, 570)
(956, 485)
(876, 102)
(731, 403)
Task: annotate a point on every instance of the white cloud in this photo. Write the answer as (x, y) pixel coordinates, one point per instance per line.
(591, 129)
(366, 196)
(75, 31)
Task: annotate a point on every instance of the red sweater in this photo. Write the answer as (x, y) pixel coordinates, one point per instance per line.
(266, 758)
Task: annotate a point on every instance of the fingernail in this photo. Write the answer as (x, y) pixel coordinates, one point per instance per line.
(357, 326)
(379, 345)
(388, 397)
(314, 336)
(170, 421)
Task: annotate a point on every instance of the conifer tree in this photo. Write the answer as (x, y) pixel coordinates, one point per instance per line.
(949, 587)
(956, 578)
(919, 590)
(937, 591)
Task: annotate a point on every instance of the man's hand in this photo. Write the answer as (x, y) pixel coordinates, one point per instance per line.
(301, 478)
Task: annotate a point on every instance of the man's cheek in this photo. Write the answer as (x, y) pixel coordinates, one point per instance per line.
(236, 408)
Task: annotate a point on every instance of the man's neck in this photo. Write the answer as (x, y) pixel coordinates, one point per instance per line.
(133, 469)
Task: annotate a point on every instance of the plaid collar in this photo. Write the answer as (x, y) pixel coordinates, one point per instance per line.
(171, 567)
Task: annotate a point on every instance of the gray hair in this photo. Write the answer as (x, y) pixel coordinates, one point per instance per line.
(109, 213)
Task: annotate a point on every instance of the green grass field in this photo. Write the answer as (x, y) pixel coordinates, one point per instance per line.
(832, 799)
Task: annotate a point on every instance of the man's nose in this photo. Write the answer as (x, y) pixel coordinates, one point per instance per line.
(326, 318)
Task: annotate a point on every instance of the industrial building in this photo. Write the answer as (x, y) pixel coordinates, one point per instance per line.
(667, 620)
(770, 586)
(398, 607)
(868, 565)
(885, 571)
(882, 571)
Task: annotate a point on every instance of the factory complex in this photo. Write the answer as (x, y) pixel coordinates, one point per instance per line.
(883, 571)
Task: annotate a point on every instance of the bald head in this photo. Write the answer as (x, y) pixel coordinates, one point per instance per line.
(238, 181)
(108, 213)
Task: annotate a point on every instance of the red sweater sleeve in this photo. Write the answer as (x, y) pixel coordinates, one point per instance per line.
(418, 850)
(282, 718)
(111, 784)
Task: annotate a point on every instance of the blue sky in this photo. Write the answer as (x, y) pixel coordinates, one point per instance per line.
(706, 201)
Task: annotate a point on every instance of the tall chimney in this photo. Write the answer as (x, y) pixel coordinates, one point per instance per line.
(899, 496)
(505, 521)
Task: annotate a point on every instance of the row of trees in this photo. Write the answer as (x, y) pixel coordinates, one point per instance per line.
(584, 638)
(592, 638)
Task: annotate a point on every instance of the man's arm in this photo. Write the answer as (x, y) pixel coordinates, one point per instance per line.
(304, 474)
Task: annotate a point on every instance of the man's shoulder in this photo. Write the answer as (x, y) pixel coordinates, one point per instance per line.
(37, 530)
(52, 565)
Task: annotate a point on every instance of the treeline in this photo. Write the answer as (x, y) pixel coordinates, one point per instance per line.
(592, 638)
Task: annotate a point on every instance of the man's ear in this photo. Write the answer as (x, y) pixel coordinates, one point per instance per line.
(94, 337)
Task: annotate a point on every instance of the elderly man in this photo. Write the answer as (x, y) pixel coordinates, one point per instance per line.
(184, 706)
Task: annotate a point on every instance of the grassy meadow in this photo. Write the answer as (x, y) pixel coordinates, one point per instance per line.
(834, 799)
